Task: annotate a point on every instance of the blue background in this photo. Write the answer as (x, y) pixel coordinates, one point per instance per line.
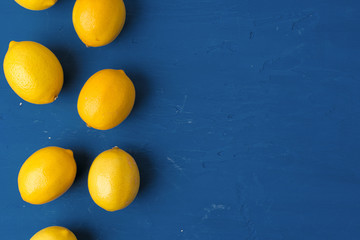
(246, 123)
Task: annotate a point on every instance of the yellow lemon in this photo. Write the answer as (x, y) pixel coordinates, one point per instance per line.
(33, 72)
(98, 22)
(106, 99)
(113, 179)
(54, 233)
(46, 175)
(36, 5)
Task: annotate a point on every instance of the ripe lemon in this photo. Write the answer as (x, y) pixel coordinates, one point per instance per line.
(98, 22)
(54, 233)
(36, 5)
(46, 175)
(33, 72)
(113, 179)
(106, 99)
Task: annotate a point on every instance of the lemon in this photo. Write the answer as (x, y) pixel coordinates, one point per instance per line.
(33, 72)
(106, 99)
(54, 233)
(113, 179)
(98, 22)
(46, 175)
(36, 5)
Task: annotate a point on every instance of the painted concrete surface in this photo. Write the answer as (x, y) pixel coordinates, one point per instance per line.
(246, 123)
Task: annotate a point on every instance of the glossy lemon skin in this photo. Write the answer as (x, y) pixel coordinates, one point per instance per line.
(46, 175)
(106, 99)
(54, 233)
(36, 5)
(98, 22)
(113, 180)
(33, 72)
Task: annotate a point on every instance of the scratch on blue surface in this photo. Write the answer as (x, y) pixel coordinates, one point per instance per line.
(293, 18)
(172, 161)
(180, 108)
(212, 208)
(285, 61)
(244, 212)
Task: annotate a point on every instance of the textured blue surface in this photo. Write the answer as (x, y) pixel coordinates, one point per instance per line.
(246, 124)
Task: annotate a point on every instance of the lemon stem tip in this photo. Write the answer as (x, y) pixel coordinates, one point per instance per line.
(12, 43)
